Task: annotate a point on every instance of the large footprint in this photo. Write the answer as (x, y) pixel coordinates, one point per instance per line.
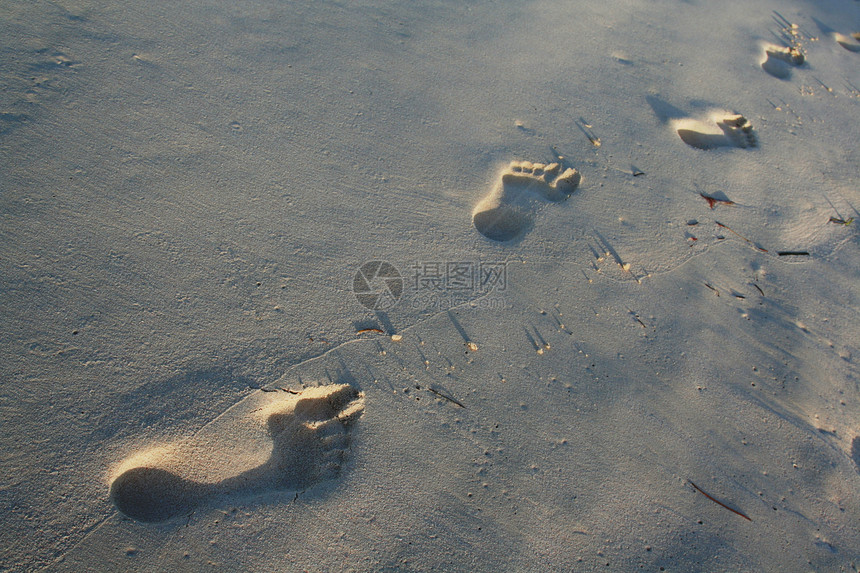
(309, 433)
(732, 130)
(506, 212)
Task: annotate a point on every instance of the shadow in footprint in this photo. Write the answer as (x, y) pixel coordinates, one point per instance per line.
(735, 131)
(502, 223)
(702, 140)
(779, 61)
(506, 213)
(153, 495)
(309, 432)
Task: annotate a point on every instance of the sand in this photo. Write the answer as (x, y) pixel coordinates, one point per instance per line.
(313, 286)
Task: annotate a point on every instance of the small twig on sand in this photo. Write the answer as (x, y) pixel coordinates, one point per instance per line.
(450, 399)
(727, 228)
(366, 330)
(698, 489)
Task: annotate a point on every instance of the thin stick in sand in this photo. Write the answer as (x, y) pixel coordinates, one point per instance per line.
(366, 330)
(718, 502)
(756, 247)
(449, 398)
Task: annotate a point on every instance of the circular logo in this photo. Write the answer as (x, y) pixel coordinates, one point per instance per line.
(377, 285)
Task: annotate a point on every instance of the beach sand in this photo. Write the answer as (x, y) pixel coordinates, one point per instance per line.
(377, 286)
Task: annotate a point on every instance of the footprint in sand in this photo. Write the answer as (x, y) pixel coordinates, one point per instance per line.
(852, 43)
(779, 60)
(725, 130)
(308, 434)
(506, 213)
